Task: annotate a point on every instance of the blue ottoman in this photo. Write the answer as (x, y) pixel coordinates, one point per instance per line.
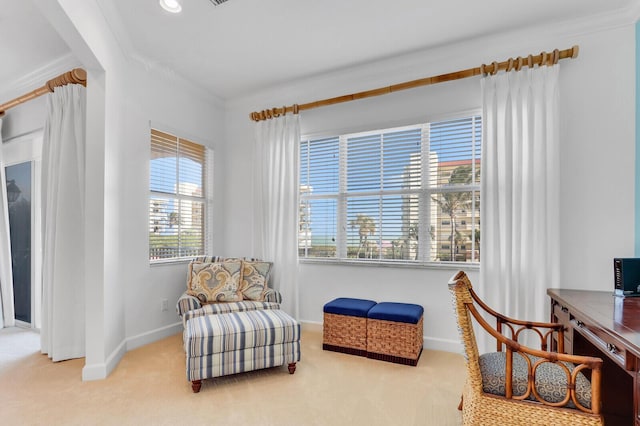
(344, 328)
(394, 332)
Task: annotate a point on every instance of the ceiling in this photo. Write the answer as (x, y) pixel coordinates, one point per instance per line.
(244, 45)
(27, 42)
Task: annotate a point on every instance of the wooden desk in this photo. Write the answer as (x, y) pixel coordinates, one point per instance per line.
(600, 324)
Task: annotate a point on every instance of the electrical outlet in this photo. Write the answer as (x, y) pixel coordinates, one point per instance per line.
(164, 305)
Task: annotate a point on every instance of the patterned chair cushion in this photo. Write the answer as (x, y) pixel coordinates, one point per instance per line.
(255, 279)
(216, 282)
(551, 380)
(225, 308)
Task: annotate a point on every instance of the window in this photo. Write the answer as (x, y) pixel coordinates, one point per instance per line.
(396, 194)
(178, 198)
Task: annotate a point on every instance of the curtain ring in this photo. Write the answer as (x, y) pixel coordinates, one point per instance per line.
(518, 63)
(495, 68)
(543, 58)
(510, 64)
(556, 56)
(275, 112)
(483, 70)
(530, 61)
(296, 108)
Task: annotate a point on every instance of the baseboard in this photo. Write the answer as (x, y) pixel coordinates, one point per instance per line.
(153, 335)
(102, 370)
(431, 343)
(23, 324)
(446, 345)
(311, 326)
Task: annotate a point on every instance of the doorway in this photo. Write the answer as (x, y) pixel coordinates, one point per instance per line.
(19, 200)
(22, 156)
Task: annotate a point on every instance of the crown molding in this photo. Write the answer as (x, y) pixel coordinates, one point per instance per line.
(169, 74)
(38, 77)
(600, 22)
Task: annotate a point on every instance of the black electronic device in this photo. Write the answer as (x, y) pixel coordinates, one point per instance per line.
(626, 276)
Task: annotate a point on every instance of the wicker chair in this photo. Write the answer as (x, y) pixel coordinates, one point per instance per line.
(522, 386)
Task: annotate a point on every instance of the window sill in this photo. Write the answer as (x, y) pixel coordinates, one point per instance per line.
(163, 262)
(414, 265)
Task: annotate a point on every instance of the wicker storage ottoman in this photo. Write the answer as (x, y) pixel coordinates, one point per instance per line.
(394, 332)
(344, 327)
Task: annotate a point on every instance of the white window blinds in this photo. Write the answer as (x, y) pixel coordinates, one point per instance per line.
(177, 202)
(404, 194)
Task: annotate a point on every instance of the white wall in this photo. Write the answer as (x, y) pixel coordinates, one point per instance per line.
(123, 291)
(24, 118)
(172, 108)
(597, 152)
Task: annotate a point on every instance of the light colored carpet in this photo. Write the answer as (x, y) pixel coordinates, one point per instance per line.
(149, 387)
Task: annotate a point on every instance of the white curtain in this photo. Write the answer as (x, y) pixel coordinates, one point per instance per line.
(63, 176)
(520, 193)
(7, 314)
(276, 203)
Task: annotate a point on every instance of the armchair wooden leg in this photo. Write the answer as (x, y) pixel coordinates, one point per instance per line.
(292, 368)
(460, 405)
(196, 385)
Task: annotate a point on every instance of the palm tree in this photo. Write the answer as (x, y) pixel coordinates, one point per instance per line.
(366, 227)
(452, 202)
(174, 219)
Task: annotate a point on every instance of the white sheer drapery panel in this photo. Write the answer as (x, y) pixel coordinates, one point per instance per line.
(63, 177)
(520, 194)
(276, 157)
(7, 313)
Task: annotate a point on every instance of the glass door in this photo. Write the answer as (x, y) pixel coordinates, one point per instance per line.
(19, 199)
(22, 156)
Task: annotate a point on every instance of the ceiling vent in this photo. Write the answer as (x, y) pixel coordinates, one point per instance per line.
(217, 2)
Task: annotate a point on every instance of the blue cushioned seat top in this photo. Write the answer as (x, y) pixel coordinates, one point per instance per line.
(349, 307)
(398, 312)
(550, 378)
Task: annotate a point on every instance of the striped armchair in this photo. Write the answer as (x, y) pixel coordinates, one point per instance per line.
(234, 325)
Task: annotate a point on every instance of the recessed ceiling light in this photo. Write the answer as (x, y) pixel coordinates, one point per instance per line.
(172, 6)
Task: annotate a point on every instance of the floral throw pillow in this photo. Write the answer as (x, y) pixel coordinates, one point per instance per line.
(216, 282)
(255, 279)
(191, 273)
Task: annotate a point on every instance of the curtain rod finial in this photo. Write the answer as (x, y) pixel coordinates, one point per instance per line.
(80, 76)
(574, 51)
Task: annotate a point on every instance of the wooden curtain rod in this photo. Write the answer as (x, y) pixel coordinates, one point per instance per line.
(543, 58)
(75, 76)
